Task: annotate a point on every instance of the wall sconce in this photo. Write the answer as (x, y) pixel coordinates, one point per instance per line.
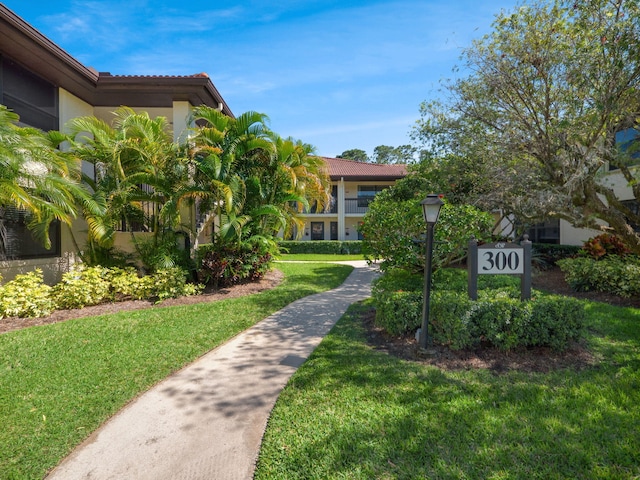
(346, 231)
(306, 233)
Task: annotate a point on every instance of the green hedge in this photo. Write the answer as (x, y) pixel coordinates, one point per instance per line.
(498, 318)
(335, 247)
(551, 253)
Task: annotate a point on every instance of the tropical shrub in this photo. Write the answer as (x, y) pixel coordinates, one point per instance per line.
(550, 253)
(226, 264)
(125, 283)
(605, 245)
(611, 274)
(163, 252)
(26, 296)
(80, 287)
(170, 283)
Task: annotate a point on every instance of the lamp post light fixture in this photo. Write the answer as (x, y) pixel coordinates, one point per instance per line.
(431, 211)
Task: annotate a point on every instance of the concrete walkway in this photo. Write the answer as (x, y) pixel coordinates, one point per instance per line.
(207, 421)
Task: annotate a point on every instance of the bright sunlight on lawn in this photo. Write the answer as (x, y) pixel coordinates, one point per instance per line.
(353, 412)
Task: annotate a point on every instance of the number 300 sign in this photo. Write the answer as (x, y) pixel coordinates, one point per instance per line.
(500, 260)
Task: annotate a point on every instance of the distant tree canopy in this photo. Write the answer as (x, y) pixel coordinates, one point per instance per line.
(354, 154)
(389, 155)
(382, 154)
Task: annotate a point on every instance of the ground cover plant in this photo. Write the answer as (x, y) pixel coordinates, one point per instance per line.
(61, 381)
(353, 411)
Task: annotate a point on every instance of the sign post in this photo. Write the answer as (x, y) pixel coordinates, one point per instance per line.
(500, 258)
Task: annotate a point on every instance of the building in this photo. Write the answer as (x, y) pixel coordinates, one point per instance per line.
(47, 87)
(353, 186)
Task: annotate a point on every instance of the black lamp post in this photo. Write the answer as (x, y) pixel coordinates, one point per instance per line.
(431, 211)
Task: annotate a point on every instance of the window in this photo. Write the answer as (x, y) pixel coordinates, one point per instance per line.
(546, 232)
(31, 97)
(17, 242)
(366, 193)
(626, 141)
(317, 230)
(36, 102)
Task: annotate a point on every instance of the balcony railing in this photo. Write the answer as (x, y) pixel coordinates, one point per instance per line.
(351, 206)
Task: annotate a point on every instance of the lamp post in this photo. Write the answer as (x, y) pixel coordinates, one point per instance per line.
(431, 211)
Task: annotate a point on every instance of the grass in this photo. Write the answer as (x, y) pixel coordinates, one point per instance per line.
(319, 257)
(60, 382)
(351, 412)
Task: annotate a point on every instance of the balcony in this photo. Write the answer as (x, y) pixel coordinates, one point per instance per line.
(352, 206)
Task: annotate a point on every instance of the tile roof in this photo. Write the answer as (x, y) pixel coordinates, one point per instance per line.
(351, 170)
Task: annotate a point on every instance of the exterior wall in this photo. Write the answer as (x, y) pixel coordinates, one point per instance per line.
(570, 235)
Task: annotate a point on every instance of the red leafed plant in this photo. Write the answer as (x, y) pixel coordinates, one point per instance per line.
(604, 245)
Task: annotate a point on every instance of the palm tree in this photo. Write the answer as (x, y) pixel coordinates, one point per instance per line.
(39, 179)
(139, 174)
(300, 180)
(227, 150)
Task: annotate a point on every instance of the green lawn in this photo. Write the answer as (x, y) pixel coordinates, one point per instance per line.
(351, 412)
(59, 382)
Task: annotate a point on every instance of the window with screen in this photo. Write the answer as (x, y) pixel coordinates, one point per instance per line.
(17, 241)
(31, 97)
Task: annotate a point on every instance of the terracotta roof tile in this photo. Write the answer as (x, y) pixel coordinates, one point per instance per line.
(352, 170)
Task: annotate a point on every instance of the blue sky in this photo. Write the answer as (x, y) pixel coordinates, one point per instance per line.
(335, 74)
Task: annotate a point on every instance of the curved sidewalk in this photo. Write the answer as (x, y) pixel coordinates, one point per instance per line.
(207, 420)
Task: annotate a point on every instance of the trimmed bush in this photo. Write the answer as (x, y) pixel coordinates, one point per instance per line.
(399, 312)
(335, 247)
(498, 318)
(556, 321)
(448, 319)
(26, 296)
